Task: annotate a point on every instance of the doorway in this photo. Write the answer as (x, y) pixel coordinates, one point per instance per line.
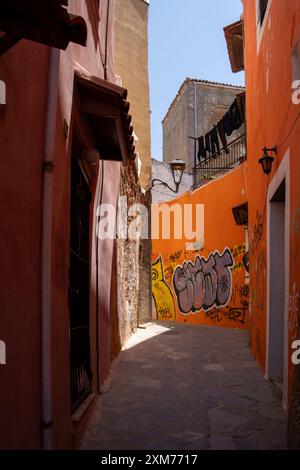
(79, 286)
(278, 255)
(277, 287)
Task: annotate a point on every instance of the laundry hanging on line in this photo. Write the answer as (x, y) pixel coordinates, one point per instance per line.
(209, 145)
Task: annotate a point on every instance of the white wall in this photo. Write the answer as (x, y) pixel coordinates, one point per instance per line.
(162, 171)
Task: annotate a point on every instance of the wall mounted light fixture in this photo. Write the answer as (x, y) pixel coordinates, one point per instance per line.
(177, 168)
(266, 160)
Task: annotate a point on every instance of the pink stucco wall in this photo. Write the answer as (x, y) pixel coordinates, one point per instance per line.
(25, 69)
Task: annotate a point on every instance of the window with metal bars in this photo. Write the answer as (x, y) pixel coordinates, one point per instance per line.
(81, 375)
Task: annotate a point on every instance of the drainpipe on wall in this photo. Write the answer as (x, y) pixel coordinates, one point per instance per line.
(101, 179)
(46, 269)
(106, 39)
(195, 122)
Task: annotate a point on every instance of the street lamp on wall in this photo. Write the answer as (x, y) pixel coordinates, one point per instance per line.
(177, 168)
(267, 160)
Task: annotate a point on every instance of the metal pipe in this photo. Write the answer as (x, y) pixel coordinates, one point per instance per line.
(106, 40)
(195, 123)
(101, 181)
(46, 268)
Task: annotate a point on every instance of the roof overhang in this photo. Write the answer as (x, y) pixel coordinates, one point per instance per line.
(44, 21)
(234, 34)
(105, 107)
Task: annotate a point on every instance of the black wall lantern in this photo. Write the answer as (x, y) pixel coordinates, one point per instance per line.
(177, 168)
(267, 160)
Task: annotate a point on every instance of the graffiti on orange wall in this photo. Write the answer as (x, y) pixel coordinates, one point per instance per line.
(231, 314)
(259, 294)
(204, 284)
(188, 285)
(162, 294)
(172, 263)
(241, 258)
(257, 232)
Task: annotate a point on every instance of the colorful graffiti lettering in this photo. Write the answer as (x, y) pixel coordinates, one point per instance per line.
(241, 258)
(204, 284)
(162, 294)
(238, 250)
(293, 312)
(233, 314)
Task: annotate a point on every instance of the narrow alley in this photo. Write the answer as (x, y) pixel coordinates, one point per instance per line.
(150, 238)
(187, 387)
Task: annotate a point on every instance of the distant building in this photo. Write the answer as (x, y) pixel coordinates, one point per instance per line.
(198, 106)
(131, 64)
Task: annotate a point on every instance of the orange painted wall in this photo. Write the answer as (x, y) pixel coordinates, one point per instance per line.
(272, 119)
(176, 298)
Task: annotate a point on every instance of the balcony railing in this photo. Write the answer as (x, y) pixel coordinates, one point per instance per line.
(221, 162)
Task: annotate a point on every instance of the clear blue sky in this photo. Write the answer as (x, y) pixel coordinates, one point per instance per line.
(186, 39)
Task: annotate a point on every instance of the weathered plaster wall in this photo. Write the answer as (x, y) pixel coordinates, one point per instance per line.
(131, 64)
(272, 120)
(21, 150)
(134, 256)
(133, 263)
(22, 133)
(209, 285)
(211, 101)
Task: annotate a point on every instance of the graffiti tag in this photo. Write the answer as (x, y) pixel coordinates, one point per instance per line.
(235, 314)
(204, 284)
(162, 294)
(257, 232)
(175, 256)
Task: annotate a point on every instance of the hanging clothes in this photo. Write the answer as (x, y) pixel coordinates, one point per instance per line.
(232, 119)
(241, 101)
(235, 116)
(222, 135)
(214, 142)
(201, 150)
(227, 124)
(208, 144)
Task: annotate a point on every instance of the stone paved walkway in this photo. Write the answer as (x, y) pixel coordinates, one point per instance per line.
(182, 387)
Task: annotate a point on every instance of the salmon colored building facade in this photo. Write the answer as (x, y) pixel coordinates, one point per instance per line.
(65, 132)
(270, 55)
(272, 50)
(203, 279)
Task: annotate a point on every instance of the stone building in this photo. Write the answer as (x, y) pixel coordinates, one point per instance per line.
(198, 106)
(131, 64)
(131, 67)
